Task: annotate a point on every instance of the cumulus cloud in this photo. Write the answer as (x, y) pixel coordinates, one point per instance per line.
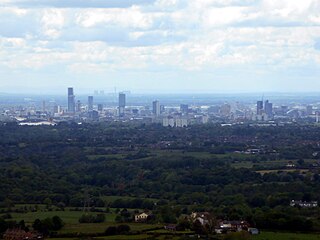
(163, 35)
(74, 3)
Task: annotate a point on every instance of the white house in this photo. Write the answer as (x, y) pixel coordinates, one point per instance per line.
(141, 217)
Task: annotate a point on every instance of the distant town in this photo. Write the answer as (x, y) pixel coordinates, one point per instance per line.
(99, 108)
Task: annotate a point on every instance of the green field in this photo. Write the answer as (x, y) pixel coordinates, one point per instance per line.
(88, 228)
(123, 237)
(285, 236)
(68, 217)
(262, 236)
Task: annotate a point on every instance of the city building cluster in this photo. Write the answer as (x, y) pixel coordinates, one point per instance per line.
(95, 108)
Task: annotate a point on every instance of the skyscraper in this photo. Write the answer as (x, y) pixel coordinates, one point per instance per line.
(259, 107)
(122, 104)
(43, 106)
(162, 108)
(71, 102)
(78, 106)
(225, 110)
(100, 107)
(184, 108)
(156, 108)
(268, 108)
(90, 103)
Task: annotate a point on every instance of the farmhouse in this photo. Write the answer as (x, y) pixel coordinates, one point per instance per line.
(203, 217)
(303, 204)
(234, 225)
(142, 217)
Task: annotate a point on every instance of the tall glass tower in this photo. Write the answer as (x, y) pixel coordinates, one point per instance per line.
(122, 104)
(90, 103)
(71, 101)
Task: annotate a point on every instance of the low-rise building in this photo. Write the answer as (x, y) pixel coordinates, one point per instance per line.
(304, 204)
(142, 217)
(203, 217)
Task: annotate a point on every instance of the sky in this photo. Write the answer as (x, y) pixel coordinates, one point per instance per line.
(160, 46)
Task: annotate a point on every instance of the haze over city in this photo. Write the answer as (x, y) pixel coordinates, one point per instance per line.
(162, 46)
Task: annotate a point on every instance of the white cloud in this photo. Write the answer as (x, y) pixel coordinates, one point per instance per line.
(52, 22)
(130, 17)
(187, 36)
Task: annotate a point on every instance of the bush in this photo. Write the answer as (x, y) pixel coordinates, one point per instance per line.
(237, 236)
(48, 225)
(89, 218)
(121, 229)
(111, 231)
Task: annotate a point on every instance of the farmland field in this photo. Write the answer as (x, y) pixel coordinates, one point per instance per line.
(285, 236)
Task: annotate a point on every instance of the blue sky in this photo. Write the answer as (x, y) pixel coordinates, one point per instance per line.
(160, 45)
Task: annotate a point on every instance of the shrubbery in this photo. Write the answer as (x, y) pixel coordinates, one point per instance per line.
(89, 218)
(117, 230)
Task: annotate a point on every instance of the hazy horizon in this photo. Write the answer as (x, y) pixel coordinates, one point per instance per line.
(89, 92)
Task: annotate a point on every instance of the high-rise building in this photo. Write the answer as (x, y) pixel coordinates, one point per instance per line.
(309, 110)
(43, 106)
(78, 106)
(122, 104)
(122, 100)
(268, 108)
(90, 103)
(71, 101)
(156, 108)
(162, 109)
(100, 107)
(225, 110)
(55, 109)
(259, 107)
(184, 108)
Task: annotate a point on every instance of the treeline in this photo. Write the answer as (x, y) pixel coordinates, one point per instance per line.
(57, 165)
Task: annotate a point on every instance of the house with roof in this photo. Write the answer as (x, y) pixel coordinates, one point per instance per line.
(141, 217)
(233, 225)
(203, 217)
(304, 204)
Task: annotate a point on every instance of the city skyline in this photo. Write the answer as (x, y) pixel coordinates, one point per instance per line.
(160, 46)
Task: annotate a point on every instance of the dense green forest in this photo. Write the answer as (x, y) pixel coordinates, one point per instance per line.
(171, 171)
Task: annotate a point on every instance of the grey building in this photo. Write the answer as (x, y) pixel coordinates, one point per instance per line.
(122, 104)
(259, 107)
(71, 101)
(90, 103)
(268, 108)
(156, 108)
(184, 108)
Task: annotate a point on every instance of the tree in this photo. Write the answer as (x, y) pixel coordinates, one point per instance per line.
(111, 231)
(57, 223)
(123, 229)
(198, 227)
(47, 202)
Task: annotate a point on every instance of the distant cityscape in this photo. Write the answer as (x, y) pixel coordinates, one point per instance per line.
(96, 109)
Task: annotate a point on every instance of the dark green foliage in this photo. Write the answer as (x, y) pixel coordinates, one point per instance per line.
(121, 229)
(237, 236)
(111, 231)
(48, 225)
(90, 218)
(169, 171)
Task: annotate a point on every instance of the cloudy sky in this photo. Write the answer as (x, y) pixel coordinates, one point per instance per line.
(160, 45)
